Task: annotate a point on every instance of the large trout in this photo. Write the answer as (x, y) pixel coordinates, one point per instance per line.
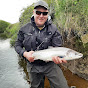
(62, 52)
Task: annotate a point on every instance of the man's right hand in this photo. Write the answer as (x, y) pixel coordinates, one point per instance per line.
(28, 55)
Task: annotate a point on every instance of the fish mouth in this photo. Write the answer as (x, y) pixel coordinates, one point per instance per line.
(80, 55)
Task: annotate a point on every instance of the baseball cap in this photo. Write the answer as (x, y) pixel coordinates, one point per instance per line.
(41, 3)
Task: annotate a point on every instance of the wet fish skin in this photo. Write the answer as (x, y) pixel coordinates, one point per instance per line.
(63, 52)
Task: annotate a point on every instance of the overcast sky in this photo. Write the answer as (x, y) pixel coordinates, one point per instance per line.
(10, 10)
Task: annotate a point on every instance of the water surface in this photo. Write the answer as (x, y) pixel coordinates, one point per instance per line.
(11, 75)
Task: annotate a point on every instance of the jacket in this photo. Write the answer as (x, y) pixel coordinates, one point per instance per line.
(32, 38)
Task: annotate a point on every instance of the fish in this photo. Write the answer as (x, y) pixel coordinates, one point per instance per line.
(62, 52)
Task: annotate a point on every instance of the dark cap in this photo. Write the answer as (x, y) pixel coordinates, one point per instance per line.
(41, 3)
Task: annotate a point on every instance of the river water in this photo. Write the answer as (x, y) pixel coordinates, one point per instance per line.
(13, 72)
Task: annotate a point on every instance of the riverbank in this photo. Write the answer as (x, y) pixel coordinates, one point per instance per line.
(78, 67)
(74, 80)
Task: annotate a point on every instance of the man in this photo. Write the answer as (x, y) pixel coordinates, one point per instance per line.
(39, 34)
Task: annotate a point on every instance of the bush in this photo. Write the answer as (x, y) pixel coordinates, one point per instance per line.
(3, 25)
(11, 30)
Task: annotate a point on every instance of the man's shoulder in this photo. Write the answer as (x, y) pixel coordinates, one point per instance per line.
(26, 27)
(52, 27)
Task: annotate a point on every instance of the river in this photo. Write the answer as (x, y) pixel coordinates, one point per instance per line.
(13, 72)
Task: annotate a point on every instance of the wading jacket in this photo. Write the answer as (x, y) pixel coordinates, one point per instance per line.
(31, 38)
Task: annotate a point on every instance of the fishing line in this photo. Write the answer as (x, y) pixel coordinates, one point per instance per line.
(39, 46)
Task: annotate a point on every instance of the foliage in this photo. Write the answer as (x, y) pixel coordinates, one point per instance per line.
(71, 14)
(26, 15)
(11, 30)
(3, 25)
(13, 39)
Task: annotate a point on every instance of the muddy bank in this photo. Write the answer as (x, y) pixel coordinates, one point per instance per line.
(74, 80)
(78, 67)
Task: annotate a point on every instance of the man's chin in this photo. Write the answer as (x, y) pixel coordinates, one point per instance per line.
(41, 24)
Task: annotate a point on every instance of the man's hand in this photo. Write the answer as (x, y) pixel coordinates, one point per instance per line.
(58, 60)
(28, 55)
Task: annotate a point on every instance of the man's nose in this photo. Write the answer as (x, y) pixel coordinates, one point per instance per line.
(41, 15)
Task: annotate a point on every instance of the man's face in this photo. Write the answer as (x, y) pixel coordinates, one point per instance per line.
(40, 18)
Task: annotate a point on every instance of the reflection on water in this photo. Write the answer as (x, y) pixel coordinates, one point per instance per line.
(13, 72)
(11, 75)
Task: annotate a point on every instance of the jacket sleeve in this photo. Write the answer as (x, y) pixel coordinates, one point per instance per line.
(57, 39)
(19, 43)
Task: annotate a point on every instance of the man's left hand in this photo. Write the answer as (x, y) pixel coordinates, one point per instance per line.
(58, 60)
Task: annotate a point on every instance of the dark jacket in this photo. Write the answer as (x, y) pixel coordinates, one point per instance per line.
(31, 38)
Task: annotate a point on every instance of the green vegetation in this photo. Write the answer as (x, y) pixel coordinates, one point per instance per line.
(70, 14)
(10, 32)
(26, 15)
(3, 26)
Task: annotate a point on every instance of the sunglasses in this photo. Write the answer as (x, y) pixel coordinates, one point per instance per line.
(43, 13)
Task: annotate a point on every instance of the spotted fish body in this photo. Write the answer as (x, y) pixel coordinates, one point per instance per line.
(63, 52)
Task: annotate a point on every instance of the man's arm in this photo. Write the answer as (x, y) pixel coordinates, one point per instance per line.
(19, 48)
(19, 43)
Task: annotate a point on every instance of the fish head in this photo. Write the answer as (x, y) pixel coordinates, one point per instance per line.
(71, 54)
